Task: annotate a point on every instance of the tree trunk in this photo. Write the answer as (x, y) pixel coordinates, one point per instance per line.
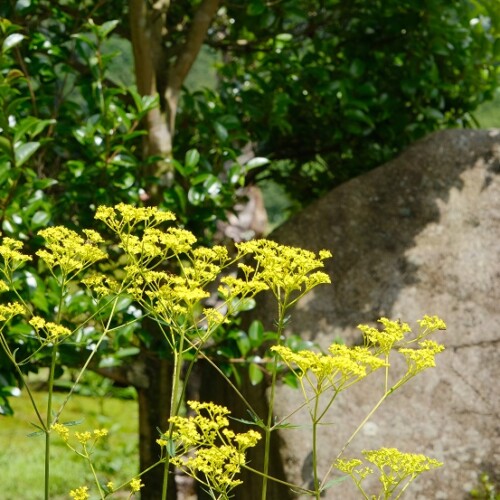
(214, 388)
(146, 27)
(154, 410)
(156, 75)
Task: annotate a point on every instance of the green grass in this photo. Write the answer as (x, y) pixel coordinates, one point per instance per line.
(22, 457)
(488, 114)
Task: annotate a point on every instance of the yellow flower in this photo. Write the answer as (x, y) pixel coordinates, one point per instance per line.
(83, 437)
(347, 466)
(393, 332)
(341, 366)
(432, 323)
(101, 284)
(12, 257)
(119, 216)
(421, 358)
(136, 484)
(207, 450)
(81, 493)
(93, 236)
(61, 430)
(397, 469)
(8, 311)
(55, 332)
(37, 322)
(284, 269)
(391, 461)
(69, 251)
(99, 433)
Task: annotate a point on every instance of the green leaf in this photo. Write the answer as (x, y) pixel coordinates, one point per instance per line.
(241, 305)
(255, 374)
(334, 481)
(256, 162)
(24, 152)
(6, 409)
(196, 195)
(284, 37)
(256, 8)
(105, 29)
(31, 127)
(291, 380)
(242, 341)
(5, 146)
(256, 333)
(221, 131)
(212, 185)
(72, 423)
(125, 352)
(235, 174)
(357, 68)
(11, 41)
(192, 158)
(84, 38)
(40, 218)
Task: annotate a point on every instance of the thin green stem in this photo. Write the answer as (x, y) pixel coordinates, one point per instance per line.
(353, 435)
(96, 480)
(48, 422)
(49, 418)
(9, 354)
(272, 395)
(89, 359)
(174, 402)
(315, 422)
(279, 481)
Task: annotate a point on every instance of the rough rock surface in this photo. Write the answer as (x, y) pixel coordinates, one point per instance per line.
(419, 235)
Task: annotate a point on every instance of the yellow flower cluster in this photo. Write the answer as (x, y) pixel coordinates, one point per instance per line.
(8, 311)
(124, 216)
(176, 296)
(12, 257)
(136, 484)
(393, 461)
(82, 437)
(69, 251)
(431, 324)
(61, 430)
(422, 358)
(342, 365)
(397, 469)
(81, 493)
(207, 450)
(285, 269)
(393, 332)
(54, 332)
(101, 284)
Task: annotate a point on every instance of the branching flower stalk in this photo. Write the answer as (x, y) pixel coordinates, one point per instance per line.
(382, 343)
(289, 273)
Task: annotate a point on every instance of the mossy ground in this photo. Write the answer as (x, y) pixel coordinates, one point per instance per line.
(22, 457)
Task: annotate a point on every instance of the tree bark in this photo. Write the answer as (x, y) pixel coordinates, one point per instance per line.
(146, 32)
(156, 75)
(154, 410)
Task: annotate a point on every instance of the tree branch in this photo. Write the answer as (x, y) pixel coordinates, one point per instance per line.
(195, 37)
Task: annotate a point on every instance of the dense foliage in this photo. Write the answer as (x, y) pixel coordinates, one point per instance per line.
(336, 88)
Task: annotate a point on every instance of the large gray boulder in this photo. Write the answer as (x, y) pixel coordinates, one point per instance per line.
(419, 235)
